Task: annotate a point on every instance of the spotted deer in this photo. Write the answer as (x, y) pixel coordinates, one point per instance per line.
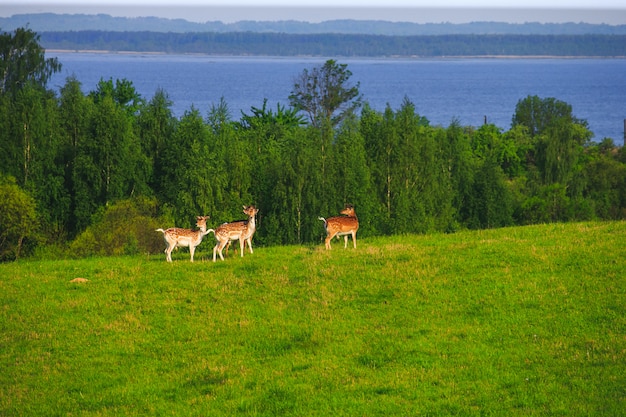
(345, 225)
(242, 230)
(176, 236)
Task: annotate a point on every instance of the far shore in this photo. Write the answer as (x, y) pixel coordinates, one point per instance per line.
(111, 52)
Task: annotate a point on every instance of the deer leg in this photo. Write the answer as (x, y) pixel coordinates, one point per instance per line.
(241, 245)
(345, 241)
(354, 239)
(329, 237)
(249, 240)
(215, 249)
(220, 247)
(192, 249)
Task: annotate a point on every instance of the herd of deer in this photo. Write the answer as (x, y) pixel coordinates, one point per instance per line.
(243, 230)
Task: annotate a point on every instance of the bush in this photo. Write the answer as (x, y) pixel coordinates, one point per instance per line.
(18, 219)
(125, 228)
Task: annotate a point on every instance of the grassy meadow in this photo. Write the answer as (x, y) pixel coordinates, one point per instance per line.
(525, 321)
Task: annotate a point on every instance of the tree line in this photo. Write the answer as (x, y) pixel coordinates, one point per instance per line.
(97, 172)
(53, 22)
(334, 44)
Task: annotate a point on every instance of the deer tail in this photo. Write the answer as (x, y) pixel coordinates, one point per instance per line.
(160, 230)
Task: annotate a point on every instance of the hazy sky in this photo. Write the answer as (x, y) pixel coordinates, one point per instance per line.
(420, 11)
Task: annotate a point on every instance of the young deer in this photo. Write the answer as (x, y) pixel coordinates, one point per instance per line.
(242, 230)
(175, 236)
(342, 226)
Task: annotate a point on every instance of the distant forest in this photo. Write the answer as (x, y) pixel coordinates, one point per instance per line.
(52, 22)
(344, 45)
(339, 38)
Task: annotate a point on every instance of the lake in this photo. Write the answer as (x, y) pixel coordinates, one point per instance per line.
(443, 90)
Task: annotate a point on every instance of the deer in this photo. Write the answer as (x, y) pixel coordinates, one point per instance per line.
(241, 230)
(345, 225)
(179, 237)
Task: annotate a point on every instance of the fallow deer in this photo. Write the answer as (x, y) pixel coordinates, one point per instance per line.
(242, 230)
(342, 226)
(176, 236)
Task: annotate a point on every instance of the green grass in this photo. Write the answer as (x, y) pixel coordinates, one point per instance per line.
(526, 321)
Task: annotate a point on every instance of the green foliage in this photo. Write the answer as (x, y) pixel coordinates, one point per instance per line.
(559, 136)
(558, 151)
(555, 147)
(23, 61)
(75, 114)
(518, 322)
(267, 119)
(192, 180)
(124, 228)
(122, 92)
(353, 185)
(606, 181)
(18, 219)
(31, 147)
(458, 170)
(156, 125)
(490, 202)
(42, 162)
(325, 93)
(109, 165)
(277, 147)
(539, 114)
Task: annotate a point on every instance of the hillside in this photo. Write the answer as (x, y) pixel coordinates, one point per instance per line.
(51, 22)
(521, 321)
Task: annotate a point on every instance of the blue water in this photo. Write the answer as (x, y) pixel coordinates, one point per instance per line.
(443, 90)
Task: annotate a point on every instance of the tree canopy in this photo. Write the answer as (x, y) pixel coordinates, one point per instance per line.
(22, 61)
(325, 93)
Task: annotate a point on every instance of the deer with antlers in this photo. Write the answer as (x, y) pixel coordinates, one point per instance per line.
(345, 225)
(176, 236)
(241, 230)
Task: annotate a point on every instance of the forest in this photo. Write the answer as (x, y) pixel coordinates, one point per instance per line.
(96, 173)
(339, 45)
(53, 22)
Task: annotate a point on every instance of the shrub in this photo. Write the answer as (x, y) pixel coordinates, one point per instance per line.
(125, 228)
(18, 219)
